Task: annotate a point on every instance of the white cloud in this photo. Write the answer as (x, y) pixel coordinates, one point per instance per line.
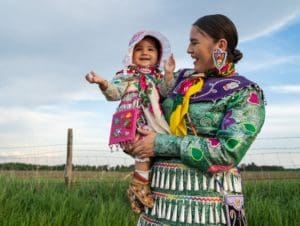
(269, 17)
(47, 53)
(279, 140)
(43, 81)
(84, 95)
(266, 60)
(48, 47)
(39, 136)
(269, 29)
(286, 89)
(282, 120)
(21, 126)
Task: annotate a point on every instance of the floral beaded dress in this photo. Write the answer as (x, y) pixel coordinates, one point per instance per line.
(140, 87)
(191, 173)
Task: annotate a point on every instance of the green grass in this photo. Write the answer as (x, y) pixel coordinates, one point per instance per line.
(273, 202)
(30, 202)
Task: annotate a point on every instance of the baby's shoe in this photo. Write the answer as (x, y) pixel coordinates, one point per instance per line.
(136, 206)
(142, 191)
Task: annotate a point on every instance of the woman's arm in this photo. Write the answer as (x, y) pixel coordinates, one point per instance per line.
(242, 122)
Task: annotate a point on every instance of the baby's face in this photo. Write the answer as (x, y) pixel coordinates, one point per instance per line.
(145, 53)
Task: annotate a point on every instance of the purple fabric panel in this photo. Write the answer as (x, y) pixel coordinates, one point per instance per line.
(215, 88)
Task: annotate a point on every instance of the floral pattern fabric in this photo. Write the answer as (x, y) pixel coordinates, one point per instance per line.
(233, 122)
(141, 89)
(190, 172)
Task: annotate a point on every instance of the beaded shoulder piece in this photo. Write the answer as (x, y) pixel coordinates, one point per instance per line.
(214, 88)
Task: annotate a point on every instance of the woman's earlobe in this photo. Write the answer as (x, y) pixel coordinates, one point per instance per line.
(222, 44)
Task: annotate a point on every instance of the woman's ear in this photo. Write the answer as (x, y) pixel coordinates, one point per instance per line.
(222, 44)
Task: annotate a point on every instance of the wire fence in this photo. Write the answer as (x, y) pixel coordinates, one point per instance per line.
(268, 151)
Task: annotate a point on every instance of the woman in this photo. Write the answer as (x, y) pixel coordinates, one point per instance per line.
(214, 115)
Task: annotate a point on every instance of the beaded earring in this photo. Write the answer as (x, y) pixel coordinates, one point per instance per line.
(219, 57)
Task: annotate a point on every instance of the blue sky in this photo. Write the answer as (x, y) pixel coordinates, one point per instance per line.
(46, 48)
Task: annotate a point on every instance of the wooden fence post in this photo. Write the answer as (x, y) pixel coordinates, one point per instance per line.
(68, 166)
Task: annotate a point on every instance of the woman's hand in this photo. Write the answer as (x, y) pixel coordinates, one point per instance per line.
(127, 146)
(144, 147)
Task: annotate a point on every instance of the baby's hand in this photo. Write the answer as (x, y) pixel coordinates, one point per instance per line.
(170, 64)
(92, 77)
(169, 68)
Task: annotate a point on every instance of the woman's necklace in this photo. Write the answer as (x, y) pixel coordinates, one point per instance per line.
(226, 70)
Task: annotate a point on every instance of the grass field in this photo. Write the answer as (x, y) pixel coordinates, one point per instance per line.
(29, 201)
(92, 175)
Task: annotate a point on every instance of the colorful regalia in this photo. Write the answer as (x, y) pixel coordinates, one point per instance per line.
(142, 87)
(192, 172)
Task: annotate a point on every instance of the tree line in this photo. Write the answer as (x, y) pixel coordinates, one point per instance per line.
(26, 166)
(121, 168)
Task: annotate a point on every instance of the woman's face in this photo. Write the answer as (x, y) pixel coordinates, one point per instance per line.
(200, 48)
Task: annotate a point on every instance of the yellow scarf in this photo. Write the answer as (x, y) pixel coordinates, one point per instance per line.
(177, 121)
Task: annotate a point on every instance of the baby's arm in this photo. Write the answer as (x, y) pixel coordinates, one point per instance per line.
(168, 82)
(169, 68)
(92, 77)
(113, 90)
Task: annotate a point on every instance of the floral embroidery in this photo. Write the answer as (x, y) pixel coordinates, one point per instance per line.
(196, 153)
(250, 127)
(182, 89)
(143, 83)
(231, 144)
(185, 85)
(219, 168)
(230, 85)
(214, 142)
(253, 99)
(148, 79)
(226, 70)
(234, 99)
(205, 121)
(228, 120)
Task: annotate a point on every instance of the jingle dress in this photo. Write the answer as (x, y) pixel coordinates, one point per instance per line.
(191, 173)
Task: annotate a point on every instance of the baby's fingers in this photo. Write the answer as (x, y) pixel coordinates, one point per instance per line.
(89, 77)
(172, 59)
(93, 73)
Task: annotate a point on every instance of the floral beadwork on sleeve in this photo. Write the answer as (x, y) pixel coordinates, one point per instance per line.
(242, 121)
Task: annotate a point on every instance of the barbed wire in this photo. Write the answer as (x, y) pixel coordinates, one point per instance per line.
(277, 138)
(104, 143)
(98, 153)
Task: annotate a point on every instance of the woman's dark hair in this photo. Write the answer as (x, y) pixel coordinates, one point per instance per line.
(218, 26)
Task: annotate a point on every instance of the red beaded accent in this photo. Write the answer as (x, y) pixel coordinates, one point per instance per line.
(194, 198)
(171, 165)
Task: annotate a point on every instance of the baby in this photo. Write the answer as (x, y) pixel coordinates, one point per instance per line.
(140, 85)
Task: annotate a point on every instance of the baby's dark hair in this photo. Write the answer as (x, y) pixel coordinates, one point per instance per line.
(157, 45)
